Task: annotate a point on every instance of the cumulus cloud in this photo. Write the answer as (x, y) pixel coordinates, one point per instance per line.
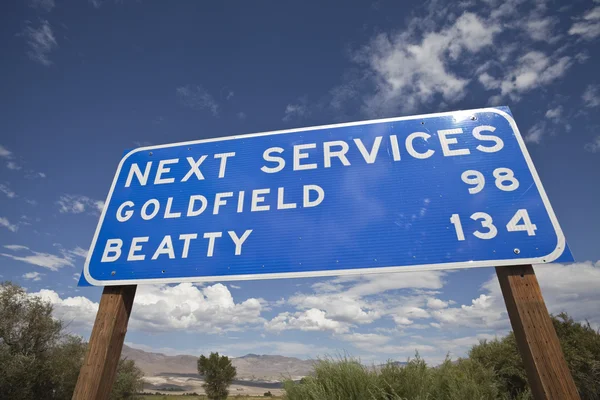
(78, 311)
(571, 288)
(436, 304)
(210, 309)
(339, 307)
(309, 320)
(41, 42)
(342, 303)
(197, 98)
(77, 204)
(183, 307)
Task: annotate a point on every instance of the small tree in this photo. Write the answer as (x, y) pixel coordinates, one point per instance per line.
(128, 382)
(218, 374)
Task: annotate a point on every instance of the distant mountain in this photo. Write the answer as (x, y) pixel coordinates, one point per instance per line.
(252, 367)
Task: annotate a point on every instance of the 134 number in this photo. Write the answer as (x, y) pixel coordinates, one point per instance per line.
(519, 222)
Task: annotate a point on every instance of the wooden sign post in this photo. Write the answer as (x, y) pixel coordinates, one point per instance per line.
(99, 368)
(547, 371)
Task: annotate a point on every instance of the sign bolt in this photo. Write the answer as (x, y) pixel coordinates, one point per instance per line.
(113, 273)
(517, 251)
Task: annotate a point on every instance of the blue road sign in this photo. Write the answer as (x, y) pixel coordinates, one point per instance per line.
(448, 190)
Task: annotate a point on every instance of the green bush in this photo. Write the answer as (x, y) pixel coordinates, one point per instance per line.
(494, 370)
(38, 360)
(347, 378)
(581, 347)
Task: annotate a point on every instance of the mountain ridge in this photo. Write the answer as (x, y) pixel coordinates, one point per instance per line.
(251, 367)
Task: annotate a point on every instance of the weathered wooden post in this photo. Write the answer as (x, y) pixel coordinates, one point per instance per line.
(547, 370)
(99, 368)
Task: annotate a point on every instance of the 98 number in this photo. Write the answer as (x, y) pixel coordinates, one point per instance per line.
(505, 180)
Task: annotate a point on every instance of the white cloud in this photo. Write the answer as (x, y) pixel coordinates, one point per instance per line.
(533, 70)
(77, 204)
(51, 261)
(78, 251)
(555, 114)
(16, 247)
(241, 115)
(295, 111)
(591, 96)
(34, 276)
(234, 286)
(45, 5)
(41, 42)
(366, 340)
(542, 29)
(338, 307)
(379, 283)
(13, 166)
(4, 152)
(409, 72)
(347, 301)
(572, 288)
(197, 98)
(588, 27)
(536, 132)
(183, 307)
(405, 315)
(593, 146)
(443, 54)
(210, 309)
(436, 304)
(7, 191)
(96, 3)
(555, 122)
(6, 223)
(309, 320)
(76, 311)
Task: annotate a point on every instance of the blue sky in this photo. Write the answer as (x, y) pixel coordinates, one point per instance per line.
(83, 81)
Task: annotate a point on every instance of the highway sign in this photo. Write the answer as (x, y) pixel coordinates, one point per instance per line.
(447, 190)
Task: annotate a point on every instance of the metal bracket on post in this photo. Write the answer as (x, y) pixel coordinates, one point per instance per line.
(547, 371)
(99, 368)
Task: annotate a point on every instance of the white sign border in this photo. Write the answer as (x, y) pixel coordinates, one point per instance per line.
(560, 246)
